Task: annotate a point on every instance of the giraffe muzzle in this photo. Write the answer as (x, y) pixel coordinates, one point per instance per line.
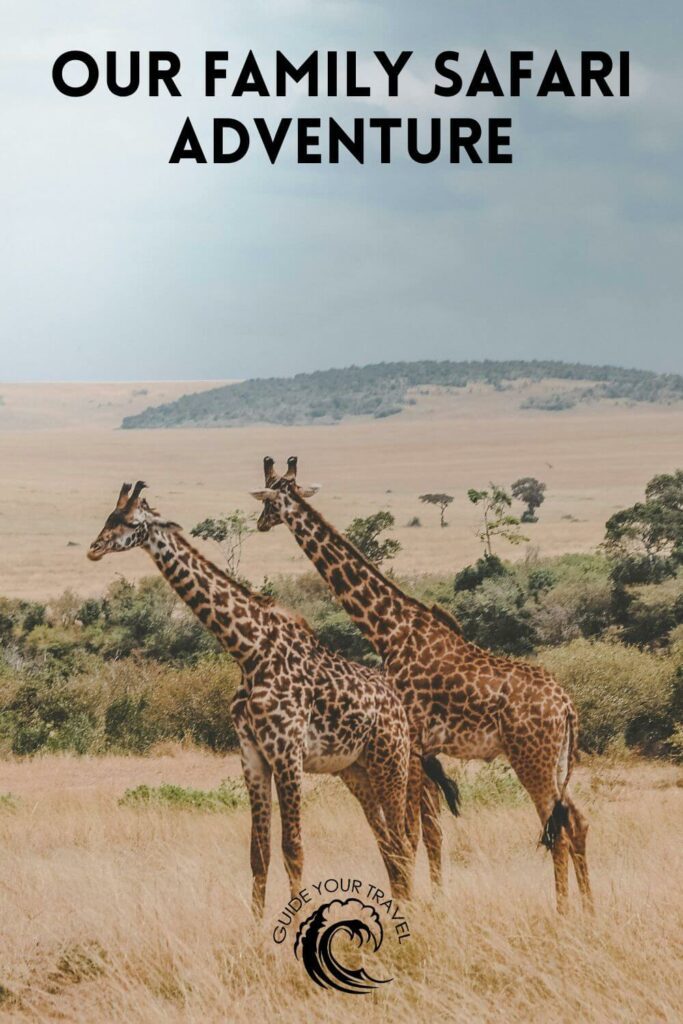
(96, 551)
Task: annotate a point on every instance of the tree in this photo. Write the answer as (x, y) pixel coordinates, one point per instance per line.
(442, 500)
(496, 521)
(651, 531)
(531, 492)
(364, 533)
(230, 532)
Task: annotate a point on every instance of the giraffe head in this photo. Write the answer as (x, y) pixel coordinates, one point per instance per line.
(127, 526)
(276, 491)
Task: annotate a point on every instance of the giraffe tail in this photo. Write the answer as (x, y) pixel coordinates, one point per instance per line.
(559, 816)
(434, 770)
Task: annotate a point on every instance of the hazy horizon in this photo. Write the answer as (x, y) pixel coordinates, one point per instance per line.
(220, 381)
(116, 265)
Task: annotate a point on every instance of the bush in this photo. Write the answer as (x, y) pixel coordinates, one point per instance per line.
(472, 576)
(571, 609)
(494, 616)
(616, 690)
(336, 631)
(230, 794)
(122, 706)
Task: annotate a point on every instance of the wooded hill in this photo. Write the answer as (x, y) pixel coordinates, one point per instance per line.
(384, 389)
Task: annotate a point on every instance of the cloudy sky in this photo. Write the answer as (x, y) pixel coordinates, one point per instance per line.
(116, 265)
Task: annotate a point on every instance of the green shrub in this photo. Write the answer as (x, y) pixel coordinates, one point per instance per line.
(231, 793)
(122, 706)
(572, 608)
(492, 785)
(494, 616)
(616, 689)
(336, 631)
(472, 576)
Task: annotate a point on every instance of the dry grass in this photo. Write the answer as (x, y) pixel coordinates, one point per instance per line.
(63, 463)
(140, 915)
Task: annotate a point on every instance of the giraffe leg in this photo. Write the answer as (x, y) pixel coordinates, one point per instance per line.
(416, 780)
(388, 772)
(356, 779)
(432, 833)
(288, 780)
(578, 828)
(541, 785)
(257, 776)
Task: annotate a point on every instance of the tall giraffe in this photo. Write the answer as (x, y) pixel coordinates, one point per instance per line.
(460, 699)
(299, 707)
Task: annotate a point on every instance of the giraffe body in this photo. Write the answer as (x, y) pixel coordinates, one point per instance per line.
(300, 707)
(460, 700)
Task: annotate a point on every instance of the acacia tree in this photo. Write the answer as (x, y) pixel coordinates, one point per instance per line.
(496, 520)
(365, 534)
(531, 492)
(648, 537)
(229, 531)
(441, 500)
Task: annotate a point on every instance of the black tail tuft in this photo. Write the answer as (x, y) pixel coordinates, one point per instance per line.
(558, 820)
(434, 769)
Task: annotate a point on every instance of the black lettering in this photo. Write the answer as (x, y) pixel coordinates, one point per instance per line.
(187, 147)
(284, 69)
(434, 146)
(158, 74)
(220, 125)
(250, 78)
(441, 66)
(91, 67)
(393, 69)
(624, 73)
(352, 87)
(272, 143)
(496, 140)
(385, 124)
(555, 70)
(213, 73)
(305, 140)
(484, 78)
(598, 74)
(134, 79)
(467, 142)
(517, 72)
(355, 145)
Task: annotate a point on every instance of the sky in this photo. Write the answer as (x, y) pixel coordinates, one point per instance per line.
(116, 265)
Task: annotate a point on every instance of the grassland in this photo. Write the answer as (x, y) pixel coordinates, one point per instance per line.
(63, 462)
(140, 913)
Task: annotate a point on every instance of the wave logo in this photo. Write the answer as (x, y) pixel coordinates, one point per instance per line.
(314, 945)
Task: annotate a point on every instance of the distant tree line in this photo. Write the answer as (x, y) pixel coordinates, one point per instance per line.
(382, 389)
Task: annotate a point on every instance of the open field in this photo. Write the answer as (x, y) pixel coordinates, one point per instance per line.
(63, 461)
(140, 915)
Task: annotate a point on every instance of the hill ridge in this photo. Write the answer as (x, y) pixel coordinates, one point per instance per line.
(381, 389)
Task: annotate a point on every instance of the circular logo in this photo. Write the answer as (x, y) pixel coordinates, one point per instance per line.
(314, 944)
(345, 909)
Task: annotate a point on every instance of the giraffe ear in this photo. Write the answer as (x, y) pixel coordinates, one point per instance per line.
(267, 494)
(308, 492)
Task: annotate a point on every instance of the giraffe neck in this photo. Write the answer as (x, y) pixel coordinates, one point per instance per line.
(376, 605)
(235, 616)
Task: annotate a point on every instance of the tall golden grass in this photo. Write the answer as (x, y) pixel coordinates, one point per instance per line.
(113, 913)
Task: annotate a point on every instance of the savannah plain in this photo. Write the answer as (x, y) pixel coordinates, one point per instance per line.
(63, 460)
(141, 913)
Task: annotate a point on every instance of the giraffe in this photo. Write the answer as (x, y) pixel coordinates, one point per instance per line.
(299, 707)
(460, 699)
